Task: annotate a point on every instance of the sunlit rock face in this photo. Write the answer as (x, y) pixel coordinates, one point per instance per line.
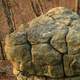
(47, 48)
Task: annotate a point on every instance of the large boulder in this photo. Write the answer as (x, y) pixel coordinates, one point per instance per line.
(47, 48)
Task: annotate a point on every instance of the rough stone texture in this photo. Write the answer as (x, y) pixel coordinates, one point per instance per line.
(73, 78)
(72, 64)
(6, 70)
(48, 49)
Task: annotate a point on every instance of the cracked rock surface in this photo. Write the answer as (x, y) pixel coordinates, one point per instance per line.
(48, 48)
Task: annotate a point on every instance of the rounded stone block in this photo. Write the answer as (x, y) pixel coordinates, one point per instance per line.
(37, 33)
(44, 54)
(16, 38)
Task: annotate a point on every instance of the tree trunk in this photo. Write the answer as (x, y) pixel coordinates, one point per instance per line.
(9, 15)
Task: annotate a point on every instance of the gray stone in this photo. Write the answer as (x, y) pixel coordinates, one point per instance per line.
(55, 78)
(18, 54)
(44, 54)
(62, 13)
(73, 40)
(47, 61)
(73, 78)
(58, 10)
(16, 38)
(37, 33)
(18, 50)
(72, 65)
(41, 70)
(21, 77)
(46, 48)
(58, 40)
(55, 71)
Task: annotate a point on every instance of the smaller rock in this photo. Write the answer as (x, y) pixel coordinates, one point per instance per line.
(57, 71)
(58, 40)
(73, 78)
(44, 54)
(41, 70)
(16, 38)
(37, 33)
(72, 65)
(73, 40)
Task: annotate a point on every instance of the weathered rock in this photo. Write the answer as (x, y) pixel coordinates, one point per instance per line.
(43, 57)
(73, 39)
(18, 50)
(20, 77)
(72, 65)
(41, 70)
(58, 40)
(23, 27)
(47, 48)
(44, 54)
(37, 33)
(73, 78)
(63, 14)
(16, 38)
(55, 79)
(56, 71)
